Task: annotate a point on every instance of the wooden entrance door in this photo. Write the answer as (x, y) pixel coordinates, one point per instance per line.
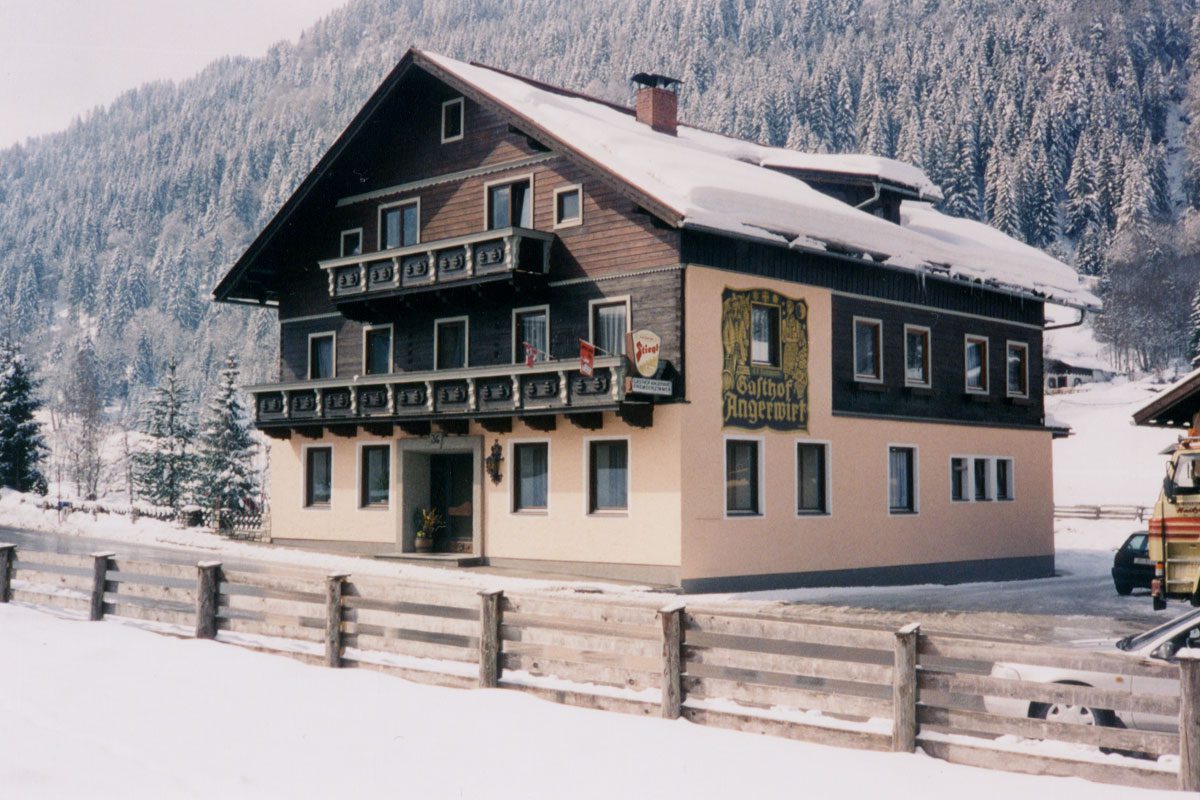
(451, 486)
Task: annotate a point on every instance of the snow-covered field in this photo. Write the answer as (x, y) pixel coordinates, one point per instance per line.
(107, 710)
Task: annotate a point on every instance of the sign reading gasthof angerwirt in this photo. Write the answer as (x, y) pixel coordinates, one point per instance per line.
(768, 388)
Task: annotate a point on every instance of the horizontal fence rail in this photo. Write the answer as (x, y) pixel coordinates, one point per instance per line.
(772, 673)
(1138, 513)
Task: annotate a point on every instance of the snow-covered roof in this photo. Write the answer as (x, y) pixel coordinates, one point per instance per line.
(1174, 405)
(717, 183)
(1076, 347)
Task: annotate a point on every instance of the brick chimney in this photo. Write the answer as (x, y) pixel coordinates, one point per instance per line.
(657, 102)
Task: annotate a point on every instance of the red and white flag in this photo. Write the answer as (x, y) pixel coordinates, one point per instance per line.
(530, 354)
(587, 358)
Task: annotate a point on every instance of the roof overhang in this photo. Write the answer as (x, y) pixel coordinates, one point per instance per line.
(1174, 407)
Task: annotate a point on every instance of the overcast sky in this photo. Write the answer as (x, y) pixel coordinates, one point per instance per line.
(61, 58)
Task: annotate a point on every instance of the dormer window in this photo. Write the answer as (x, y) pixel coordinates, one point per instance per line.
(452, 120)
(510, 205)
(351, 243)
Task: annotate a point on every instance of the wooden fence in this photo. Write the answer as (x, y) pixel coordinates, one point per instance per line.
(1139, 513)
(765, 672)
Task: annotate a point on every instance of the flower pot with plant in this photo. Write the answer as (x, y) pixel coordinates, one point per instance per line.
(427, 521)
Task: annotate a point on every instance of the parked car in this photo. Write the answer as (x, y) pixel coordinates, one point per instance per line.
(1132, 567)
(1157, 645)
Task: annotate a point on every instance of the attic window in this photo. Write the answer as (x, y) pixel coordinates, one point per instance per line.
(452, 120)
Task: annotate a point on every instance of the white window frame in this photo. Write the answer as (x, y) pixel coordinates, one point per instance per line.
(968, 338)
(487, 192)
(308, 354)
(761, 444)
(916, 479)
(609, 301)
(587, 477)
(518, 351)
(342, 241)
(570, 222)
(396, 204)
(513, 511)
(462, 120)
(928, 384)
(828, 512)
(466, 320)
(878, 323)
(358, 476)
(366, 329)
(989, 478)
(1012, 479)
(969, 486)
(304, 504)
(1009, 344)
(778, 333)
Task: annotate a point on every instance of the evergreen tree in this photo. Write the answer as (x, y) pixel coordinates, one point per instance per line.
(22, 448)
(164, 462)
(224, 474)
(1194, 322)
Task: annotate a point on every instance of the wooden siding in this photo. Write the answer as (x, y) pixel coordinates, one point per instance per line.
(854, 277)
(947, 398)
(656, 301)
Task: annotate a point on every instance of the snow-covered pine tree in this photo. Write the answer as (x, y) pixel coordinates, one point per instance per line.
(1194, 337)
(163, 463)
(224, 473)
(22, 447)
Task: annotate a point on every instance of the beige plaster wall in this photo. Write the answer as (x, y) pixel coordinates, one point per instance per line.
(343, 520)
(648, 533)
(859, 532)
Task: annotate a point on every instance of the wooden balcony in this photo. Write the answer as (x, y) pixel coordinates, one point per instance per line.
(413, 401)
(504, 255)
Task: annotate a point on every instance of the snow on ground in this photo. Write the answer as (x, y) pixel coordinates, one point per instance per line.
(107, 710)
(1107, 460)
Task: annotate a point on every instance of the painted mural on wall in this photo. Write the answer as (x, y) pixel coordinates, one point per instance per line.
(764, 384)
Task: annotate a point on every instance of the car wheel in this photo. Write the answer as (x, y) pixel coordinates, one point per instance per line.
(1073, 715)
(1124, 588)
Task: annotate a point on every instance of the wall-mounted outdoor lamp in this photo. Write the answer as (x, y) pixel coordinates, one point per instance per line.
(492, 462)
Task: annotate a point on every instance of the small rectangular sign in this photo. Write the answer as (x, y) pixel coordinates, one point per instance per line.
(587, 359)
(650, 386)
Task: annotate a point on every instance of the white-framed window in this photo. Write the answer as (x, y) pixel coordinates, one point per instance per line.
(917, 358)
(377, 349)
(351, 243)
(509, 203)
(322, 355)
(453, 117)
(531, 325)
(568, 206)
(608, 322)
(743, 477)
(764, 334)
(903, 484)
(608, 474)
(868, 350)
(1017, 369)
(1005, 488)
(530, 475)
(318, 476)
(812, 478)
(374, 475)
(975, 364)
(450, 343)
(400, 224)
(981, 478)
(960, 479)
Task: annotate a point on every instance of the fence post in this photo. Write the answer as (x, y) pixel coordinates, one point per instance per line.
(8, 554)
(100, 565)
(489, 638)
(671, 618)
(1189, 720)
(333, 619)
(208, 578)
(904, 690)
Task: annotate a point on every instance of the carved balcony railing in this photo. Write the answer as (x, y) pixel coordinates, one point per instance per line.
(509, 390)
(487, 256)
